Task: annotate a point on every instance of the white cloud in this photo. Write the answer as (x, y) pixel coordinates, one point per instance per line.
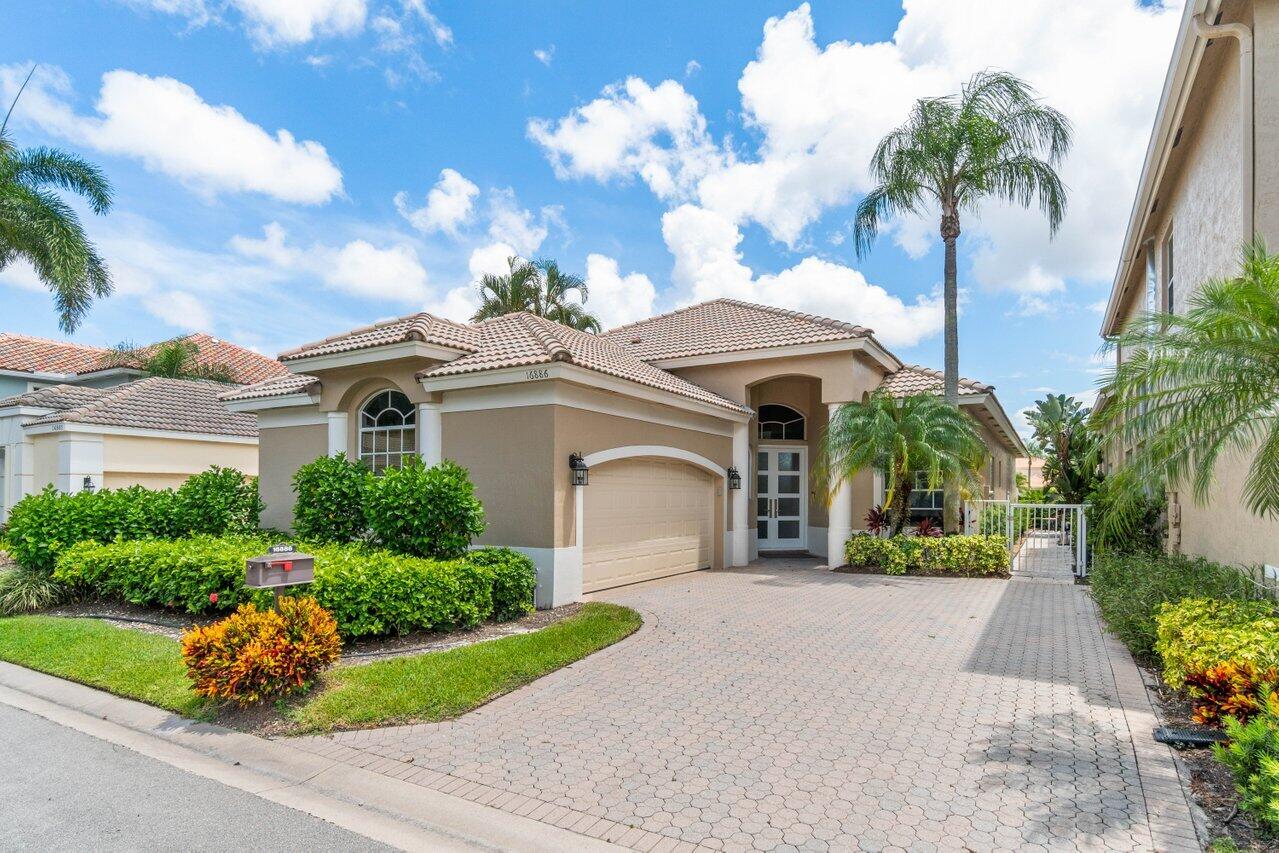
(509, 223)
(692, 67)
(273, 23)
(544, 55)
(439, 30)
(22, 275)
(449, 204)
(490, 260)
(357, 267)
(617, 299)
(172, 130)
(181, 310)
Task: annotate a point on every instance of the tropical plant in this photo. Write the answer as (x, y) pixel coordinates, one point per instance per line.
(927, 527)
(1251, 751)
(1071, 448)
(876, 520)
(1197, 385)
(178, 358)
(38, 226)
(24, 590)
(1229, 690)
(540, 288)
(994, 139)
(904, 437)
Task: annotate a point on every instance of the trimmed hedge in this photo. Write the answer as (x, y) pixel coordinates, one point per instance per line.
(966, 556)
(369, 592)
(219, 501)
(330, 502)
(425, 512)
(1198, 633)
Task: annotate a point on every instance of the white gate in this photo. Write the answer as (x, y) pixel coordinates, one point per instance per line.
(1044, 540)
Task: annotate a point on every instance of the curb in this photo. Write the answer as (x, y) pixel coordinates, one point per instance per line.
(396, 813)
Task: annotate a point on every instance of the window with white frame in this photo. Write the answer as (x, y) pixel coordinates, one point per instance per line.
(925, 501)
(388, 431)
(780, 423)
(1170, 288)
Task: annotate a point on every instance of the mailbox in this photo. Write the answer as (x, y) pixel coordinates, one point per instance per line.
(281, 566)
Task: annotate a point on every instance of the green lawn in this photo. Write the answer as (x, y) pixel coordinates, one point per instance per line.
(431, 686)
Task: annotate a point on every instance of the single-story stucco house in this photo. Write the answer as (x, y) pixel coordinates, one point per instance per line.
(667, 415)
(74, 417)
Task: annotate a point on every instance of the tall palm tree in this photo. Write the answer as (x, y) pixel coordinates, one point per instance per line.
(1070, 446)
(540, 288)
(994, 139)
(1198, 385)
(38, 226)
(904, 438)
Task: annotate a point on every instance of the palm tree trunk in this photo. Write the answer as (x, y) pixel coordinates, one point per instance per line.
(950, 380)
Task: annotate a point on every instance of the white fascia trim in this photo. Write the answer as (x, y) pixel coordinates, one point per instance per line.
(582, 376)
(25, 411)
(277, 419)
(43, 377)
(1182, 70)
(63, 427)
(257, 404)
(386, 352)
(576, 397)
(989, 403)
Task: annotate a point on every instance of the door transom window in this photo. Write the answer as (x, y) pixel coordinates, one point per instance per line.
(777, 422)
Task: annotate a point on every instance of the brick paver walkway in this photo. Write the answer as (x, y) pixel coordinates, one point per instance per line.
(783, 707)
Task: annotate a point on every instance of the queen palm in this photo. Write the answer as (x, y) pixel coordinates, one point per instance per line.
(540, 288)
(38, 226)
(1070, 446)
(1198, 385)
(905, 438)
(178, 358)
(995, 139)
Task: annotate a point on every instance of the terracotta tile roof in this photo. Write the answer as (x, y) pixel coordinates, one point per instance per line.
(179, 405)
(290, 383)
(57, 397)
(414, 327)
(727, 325)
(26, 354)
(916, 379)
(247, 366)
(521, 339)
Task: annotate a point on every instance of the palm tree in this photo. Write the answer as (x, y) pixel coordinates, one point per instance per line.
(540, 288)
(994, 139)
(178, 358)
(38, 226)
(904, 438)
(1198, 385)
(1070, 446)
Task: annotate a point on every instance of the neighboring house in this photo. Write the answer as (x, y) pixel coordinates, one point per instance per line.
(71, 417)
(1209, 182)
(666, 414)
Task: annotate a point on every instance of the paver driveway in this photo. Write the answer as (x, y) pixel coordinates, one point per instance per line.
(783, 706)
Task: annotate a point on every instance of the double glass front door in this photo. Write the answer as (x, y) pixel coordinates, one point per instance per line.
(781, 498)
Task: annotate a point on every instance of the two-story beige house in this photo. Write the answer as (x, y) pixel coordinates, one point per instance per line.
(695, 431)
(1210, 181)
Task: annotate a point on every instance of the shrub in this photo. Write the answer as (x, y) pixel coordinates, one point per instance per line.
(25, 590)
(513, 578)
(1252, 754)
(255, 654)
(1146, 530)
(1199, 633)
(1129, 589)
(959, 555)
(425, 512)
(927, 527)
(330, 502)
(374, 592)
(217, 502)
(1229, 690)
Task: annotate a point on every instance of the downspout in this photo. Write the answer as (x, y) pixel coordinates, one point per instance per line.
(1246, 109)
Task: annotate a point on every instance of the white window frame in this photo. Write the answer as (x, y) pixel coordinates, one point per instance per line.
(798, 419)
(408, 424)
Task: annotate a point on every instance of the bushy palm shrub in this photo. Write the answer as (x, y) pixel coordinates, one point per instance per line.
(1252, 754)
(1129, 589)
(424, 512)
(253, 654)
(330, 499)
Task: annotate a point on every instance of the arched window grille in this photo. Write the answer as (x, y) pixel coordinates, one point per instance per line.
(780, 422)
(388, 431)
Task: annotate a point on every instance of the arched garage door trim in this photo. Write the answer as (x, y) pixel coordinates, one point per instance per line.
(633, 451)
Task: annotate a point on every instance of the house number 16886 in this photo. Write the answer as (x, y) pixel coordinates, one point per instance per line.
(537, 373)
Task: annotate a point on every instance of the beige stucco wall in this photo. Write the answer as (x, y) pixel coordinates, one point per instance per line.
(844, 376)
(126, 456)
(281, 451)
(45, 455)
(1223, 529)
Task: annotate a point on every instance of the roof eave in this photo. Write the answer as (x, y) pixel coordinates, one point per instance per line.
(366, 355)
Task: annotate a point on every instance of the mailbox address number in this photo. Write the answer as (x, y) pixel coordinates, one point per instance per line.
(537, 373)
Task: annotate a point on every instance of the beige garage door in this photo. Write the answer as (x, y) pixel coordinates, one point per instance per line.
(645, 519)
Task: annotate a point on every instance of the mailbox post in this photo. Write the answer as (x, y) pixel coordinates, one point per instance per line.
(282, 566)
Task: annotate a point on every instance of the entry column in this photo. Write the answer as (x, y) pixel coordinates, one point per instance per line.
(840, 524)
(741, 537)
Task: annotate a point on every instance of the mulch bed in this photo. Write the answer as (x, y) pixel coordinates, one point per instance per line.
(915, 573)
(1211, 782)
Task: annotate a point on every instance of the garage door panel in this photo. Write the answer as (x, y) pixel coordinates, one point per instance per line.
(645, 519)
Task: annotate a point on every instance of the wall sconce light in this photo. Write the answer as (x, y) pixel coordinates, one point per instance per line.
(734, 478)
(577, 465)
(88, 483)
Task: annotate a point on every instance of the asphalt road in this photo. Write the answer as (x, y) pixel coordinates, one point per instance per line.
(64, 790)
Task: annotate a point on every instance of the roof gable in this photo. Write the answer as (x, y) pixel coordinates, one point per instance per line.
(421, 326)
(917, 379)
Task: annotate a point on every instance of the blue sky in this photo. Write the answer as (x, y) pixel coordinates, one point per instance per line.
(287, 169)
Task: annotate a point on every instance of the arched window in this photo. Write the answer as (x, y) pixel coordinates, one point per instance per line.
(388, 430)
(780, 422)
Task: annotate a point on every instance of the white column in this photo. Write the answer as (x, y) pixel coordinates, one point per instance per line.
(740, 498)
(21, 463)
(337, 433)
(430, 428)
(79, 457)
(840, 524)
